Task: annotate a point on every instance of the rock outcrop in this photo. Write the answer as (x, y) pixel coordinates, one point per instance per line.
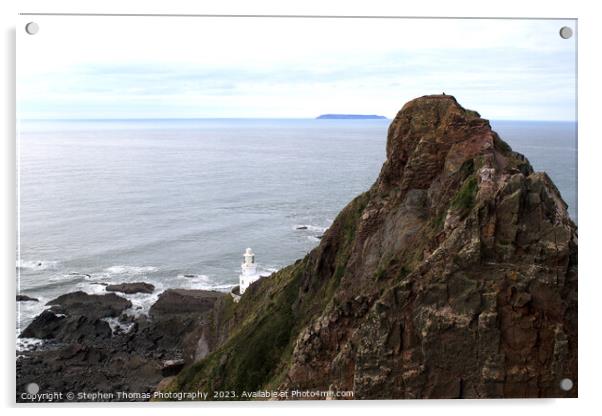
(130, 288)
(184, 301)
(76, 317)
(25, 298)
(92, 345)
(454, 276)
(92, 306)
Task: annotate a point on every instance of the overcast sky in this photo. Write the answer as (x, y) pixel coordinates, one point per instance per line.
(160, 67)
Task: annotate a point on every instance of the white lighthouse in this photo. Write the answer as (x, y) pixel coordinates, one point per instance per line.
(249, 270)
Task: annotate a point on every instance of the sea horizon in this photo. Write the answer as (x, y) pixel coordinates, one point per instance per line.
(24, 119)
(162, 198)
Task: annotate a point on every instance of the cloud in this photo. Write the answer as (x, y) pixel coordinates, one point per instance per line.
(517, 76)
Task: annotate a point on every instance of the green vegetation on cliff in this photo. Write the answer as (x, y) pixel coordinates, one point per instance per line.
(267, 321)
(465, 198)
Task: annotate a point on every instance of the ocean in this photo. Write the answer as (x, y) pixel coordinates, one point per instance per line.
(176, 202)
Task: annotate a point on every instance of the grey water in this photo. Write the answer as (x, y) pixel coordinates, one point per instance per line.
(104, 201)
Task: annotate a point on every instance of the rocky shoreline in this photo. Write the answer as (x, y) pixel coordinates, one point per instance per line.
(94, 345)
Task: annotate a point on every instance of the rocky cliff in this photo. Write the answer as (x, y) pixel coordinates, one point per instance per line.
(454, 276)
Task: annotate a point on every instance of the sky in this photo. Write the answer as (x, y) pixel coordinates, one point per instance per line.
(202, 67)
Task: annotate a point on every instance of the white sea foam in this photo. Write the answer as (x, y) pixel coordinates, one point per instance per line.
(28, 344)
(141, 302)
(200, 281)
(119, 326)
(312, 238)
(221, 288)
(121, 269)
(91, 288)
(68, 276)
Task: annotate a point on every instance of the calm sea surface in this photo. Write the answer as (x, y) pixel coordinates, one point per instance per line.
(117, 201)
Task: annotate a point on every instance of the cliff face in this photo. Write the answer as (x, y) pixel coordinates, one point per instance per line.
(455, 275)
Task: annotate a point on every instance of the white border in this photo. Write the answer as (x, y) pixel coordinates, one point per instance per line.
(589, 153)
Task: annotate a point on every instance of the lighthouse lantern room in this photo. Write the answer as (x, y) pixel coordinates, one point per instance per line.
(249, 270)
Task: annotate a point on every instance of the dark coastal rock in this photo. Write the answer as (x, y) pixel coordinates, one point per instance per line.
(80, 328)
(301, 227)
(76, 316)
(91, 357)
(25, 298)
(184, 301)
(91, 367)
(44, 326)
(453, 276)
(93, 306)
(130, 288)
(63, 328)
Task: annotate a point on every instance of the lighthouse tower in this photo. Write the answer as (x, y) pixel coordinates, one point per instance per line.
(249, 270)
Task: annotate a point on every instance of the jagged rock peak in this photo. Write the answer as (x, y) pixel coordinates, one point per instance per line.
(433, 133)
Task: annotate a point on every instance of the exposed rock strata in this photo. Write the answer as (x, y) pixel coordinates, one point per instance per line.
(454, 276)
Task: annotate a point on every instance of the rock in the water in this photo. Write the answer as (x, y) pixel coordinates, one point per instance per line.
(25, 298)
(93, 306)
(184, 301)
(130, 288)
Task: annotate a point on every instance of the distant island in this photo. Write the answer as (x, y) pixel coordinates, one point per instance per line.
(350, 117)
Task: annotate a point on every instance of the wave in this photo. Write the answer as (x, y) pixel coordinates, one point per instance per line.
(36, 264)
(221, 288)
(121, 269)
(67, 277)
